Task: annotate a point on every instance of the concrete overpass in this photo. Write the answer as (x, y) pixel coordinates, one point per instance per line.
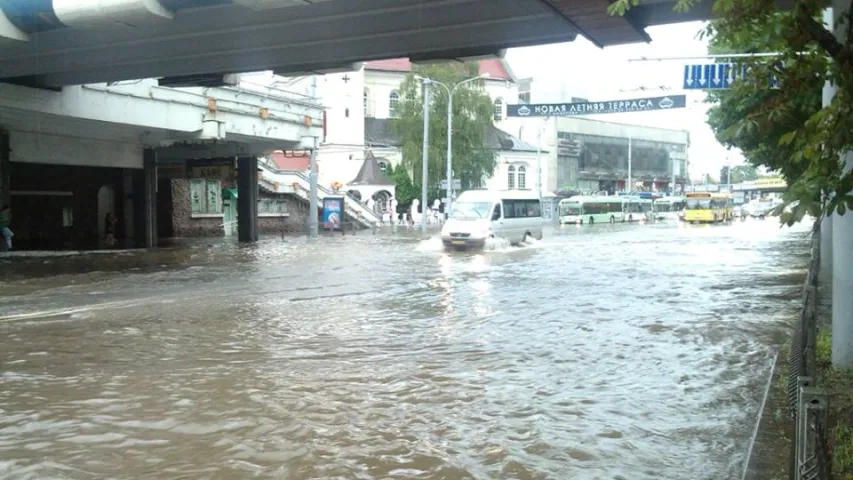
(52, 43)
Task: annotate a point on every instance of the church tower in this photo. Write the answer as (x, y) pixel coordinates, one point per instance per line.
(341, 151)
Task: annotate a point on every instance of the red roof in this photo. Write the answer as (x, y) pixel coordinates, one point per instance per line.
(493, 66)
(292, 160)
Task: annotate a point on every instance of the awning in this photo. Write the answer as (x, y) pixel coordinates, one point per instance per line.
(229, 193)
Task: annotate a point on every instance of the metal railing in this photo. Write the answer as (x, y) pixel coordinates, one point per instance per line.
(354, 208)
(746, 464)
(807, 404)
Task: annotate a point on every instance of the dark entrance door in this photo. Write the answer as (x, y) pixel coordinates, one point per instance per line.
(165, 229)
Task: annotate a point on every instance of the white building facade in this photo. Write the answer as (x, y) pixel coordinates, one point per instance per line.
(590, 155)
(359, 110)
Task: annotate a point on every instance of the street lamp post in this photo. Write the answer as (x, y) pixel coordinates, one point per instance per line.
(424, 177)
(450, 92)
(313, 223)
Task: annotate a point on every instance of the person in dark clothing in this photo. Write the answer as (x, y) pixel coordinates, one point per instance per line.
(5, 232)
(109, 229)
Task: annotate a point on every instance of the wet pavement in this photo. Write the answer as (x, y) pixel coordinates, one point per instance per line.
(623, 351)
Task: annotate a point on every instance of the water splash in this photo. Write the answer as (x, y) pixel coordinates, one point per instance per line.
(432, 244)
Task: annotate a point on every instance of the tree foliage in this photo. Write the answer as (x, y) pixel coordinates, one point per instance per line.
(405, 190)
(786, 129)
(472, 116)
(743, 173)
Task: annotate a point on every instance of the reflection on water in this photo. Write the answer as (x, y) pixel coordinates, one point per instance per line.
(612, 351)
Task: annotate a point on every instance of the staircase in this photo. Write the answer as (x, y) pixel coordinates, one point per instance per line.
(297, 183)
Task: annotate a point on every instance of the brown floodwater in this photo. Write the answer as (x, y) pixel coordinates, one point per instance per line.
(601, 352)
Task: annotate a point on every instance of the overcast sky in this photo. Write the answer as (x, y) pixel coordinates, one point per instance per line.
(582, 70)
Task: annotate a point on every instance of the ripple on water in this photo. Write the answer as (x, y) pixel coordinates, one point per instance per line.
(624, 351)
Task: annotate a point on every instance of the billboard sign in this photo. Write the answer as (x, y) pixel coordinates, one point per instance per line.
(333, 213)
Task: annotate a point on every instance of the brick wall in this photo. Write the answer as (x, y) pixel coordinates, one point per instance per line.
(185, 225)
(294, 223)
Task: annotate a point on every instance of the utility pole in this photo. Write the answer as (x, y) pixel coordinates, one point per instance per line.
(449, 150)
(629, 187)
(672, 184)
(313, 225)
(539, 163)
(729, 168)
(424, 179)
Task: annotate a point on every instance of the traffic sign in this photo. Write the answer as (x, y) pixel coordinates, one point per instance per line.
(457, 184)
(644, 104)
(718, 76)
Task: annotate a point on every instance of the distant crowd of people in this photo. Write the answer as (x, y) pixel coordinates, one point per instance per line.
(389, 212)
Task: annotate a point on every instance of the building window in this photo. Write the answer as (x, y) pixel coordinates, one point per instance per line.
(522, 177)
(524, 97)
(206, 196)
(393, 103)
(366, 103)
(499, 109)
(510, 177)
(272, 205)
(383, 166)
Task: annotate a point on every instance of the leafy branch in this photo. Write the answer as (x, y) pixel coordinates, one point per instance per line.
(787, 130)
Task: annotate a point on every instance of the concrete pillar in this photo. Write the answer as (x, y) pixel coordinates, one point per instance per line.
(145, 201)
(127, 204)
(247, 199)
(5, 168)
(825, 277)
(842, 253)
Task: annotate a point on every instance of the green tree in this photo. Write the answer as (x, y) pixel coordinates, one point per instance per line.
(405, 190)
(472, 116)
(743, 173)
(724, 174)
(786, 129)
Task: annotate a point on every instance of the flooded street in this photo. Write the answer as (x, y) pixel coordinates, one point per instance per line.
(607, 352)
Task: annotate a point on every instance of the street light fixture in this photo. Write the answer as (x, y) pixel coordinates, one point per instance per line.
(450, 92)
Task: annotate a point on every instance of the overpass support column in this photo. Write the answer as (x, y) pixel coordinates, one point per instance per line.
(842, 251)
(825, 277)
(247, 199)
(145, 201)
(5, 180)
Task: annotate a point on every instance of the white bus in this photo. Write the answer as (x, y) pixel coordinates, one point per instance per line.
(669, 208)
(591, 210)
(478, 215)
(637, 209)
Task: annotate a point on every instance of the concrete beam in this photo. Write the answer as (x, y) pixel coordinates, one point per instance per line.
(157, 111)
(232, 38)
(242, 147)
(29, 147)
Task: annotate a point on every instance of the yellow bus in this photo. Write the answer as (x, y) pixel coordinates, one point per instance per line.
(707, 207)
(729, 204)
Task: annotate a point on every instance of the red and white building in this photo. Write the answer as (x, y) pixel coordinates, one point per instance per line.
(359, 108)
